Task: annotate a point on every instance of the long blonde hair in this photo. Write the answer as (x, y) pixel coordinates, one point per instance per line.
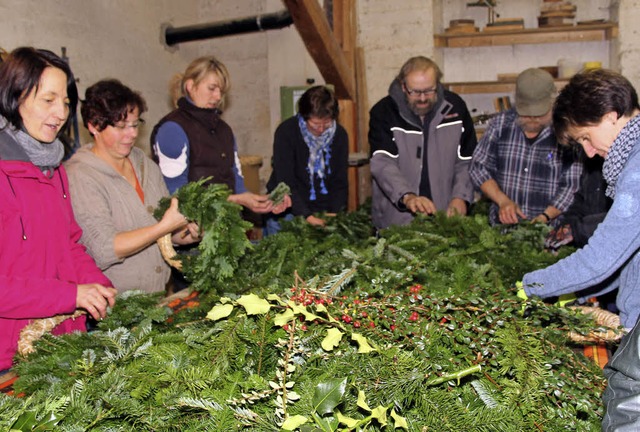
(197, 71)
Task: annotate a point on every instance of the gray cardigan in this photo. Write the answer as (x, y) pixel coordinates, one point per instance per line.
(105, 204)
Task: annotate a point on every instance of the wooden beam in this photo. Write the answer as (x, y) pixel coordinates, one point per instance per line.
(312, 25)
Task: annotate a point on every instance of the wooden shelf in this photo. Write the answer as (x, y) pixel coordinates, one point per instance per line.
(574, 33)
(490, 86)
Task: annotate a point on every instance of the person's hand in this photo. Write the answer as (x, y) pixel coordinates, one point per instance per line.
(188, 235)
(540, 219)
(284, 204)
(316, 221)
(560, 236)
(254, 202)
(95, 298)
(172, 219)
(419, 204)
(510, 212)
(457, 206)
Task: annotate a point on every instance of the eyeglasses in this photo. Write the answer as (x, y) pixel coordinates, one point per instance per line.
(133, 125)
(416, 92)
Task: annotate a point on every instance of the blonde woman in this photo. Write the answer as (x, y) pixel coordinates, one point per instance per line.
(193, 141)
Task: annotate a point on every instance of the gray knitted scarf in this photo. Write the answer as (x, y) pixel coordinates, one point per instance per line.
(619, 154)
(45, 156)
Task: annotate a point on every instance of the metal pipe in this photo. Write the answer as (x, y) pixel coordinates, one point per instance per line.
(276, 20)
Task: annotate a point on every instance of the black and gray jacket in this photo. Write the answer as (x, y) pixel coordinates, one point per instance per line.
(397, 141)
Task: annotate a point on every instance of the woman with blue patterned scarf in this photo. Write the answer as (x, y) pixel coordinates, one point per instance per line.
(311, 155)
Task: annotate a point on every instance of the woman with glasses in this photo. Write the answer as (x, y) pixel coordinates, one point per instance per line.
(311, 155)
(44, 270)
(115, 189)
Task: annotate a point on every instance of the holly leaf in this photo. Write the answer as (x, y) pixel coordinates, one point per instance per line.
(362, 403)
(399, 421)
(363, 343)
(380, 413)
(294, 422)
(297, 309)
(350, 422)
(220, 311)
(25, 422)
(332, 339)
(284, 317)
(328, 395)
(254, 305)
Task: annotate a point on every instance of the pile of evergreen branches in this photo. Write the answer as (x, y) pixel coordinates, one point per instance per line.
(331, 329)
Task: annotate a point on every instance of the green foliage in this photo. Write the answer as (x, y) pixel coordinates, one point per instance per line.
(449, 347)
(224, 238)
(278, 193)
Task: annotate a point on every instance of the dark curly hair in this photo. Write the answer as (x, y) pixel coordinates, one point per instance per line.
(20, 73)
(108, 102)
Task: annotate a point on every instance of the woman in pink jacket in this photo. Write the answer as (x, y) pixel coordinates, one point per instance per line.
(44, 271)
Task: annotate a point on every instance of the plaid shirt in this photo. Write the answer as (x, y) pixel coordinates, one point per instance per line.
(533, 175)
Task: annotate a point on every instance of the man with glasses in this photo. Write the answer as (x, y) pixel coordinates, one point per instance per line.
(518, 163)
(421, 139)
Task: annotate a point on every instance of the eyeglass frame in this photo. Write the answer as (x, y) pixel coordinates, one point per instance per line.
(418, 93)
(124, 125)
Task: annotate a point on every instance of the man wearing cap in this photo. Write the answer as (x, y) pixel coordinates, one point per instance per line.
(518, 163)
(422, 138)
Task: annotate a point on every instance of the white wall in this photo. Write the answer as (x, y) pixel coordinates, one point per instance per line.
(391, 32)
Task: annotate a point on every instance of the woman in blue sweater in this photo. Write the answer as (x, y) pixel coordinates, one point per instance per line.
(599, 111)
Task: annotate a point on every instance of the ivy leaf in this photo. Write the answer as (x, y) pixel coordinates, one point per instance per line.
(254, 305)
(380, 413)
(399, 421)
(284, 317)
(362, 403)
(294, 422)
(350, 422)
(332, 339)
(363, 343)
(328, 394)
(220, 311)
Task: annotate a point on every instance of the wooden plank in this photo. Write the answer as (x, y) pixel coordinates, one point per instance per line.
(581, 33)
(348, 120)
(491, 86)
(344, 25)
(314, 30)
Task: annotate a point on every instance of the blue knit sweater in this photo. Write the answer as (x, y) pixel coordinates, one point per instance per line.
(610, 259)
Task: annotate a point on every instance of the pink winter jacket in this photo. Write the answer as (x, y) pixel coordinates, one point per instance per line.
(41, 261)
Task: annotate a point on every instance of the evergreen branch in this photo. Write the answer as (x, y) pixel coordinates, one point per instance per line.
(453, 375)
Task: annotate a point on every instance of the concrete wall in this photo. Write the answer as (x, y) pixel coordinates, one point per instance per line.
(114, 38)
(121, 39)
